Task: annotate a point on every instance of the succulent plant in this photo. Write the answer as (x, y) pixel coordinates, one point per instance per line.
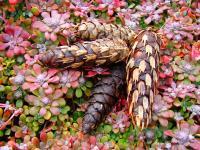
(161, 109)
(36, 7)
(14, 41)
(119, 121)
(80, 8)
(52, 23)
(195, 54)
(178, 30)
(195, 109)
(183, 137)
(69, 78)
(40, 78)
(42, 115)
(31, 60)
(20, 76)
(47, 105)
(166, 75)
(186, 69)
(150, 11)
(180, 90)
(110, 5)
(153, 11)
(178, 117)
(132, 19)
(10, 109)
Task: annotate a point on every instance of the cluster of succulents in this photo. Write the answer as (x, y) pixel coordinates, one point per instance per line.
(146, 13)
(14, 40)
(119, 121)
(52, 23)
(43, 107)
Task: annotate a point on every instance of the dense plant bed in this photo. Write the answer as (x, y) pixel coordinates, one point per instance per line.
(43, 107)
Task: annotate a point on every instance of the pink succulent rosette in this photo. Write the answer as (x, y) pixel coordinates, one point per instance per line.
(183, 137)
(153, 11)
(161, 109)
(46, 103)
(166, 74)
(19, 78)
(43, 5)
(110, 5)
(14, 40)
(180, 90)
(69, 78)
(132, 18)
(77, 142)
(186, 68)
(17, 81)
(166, 71)
(52, 23)
(119, 120)
(38, 77)
(30, 61)
(179, 30)
(80, 8)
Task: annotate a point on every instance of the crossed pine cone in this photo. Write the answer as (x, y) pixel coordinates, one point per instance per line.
(108, 44)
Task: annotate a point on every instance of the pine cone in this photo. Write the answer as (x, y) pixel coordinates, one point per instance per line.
(101, 51)
(142, 76)
(112, 43)
(104, 97)
(96, 30)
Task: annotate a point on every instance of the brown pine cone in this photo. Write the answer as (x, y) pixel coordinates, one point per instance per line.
(96, 30)
(141, 69)
(98, 52)
(104, 97)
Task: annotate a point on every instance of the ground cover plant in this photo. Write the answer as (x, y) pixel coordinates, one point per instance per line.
(43, 107)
